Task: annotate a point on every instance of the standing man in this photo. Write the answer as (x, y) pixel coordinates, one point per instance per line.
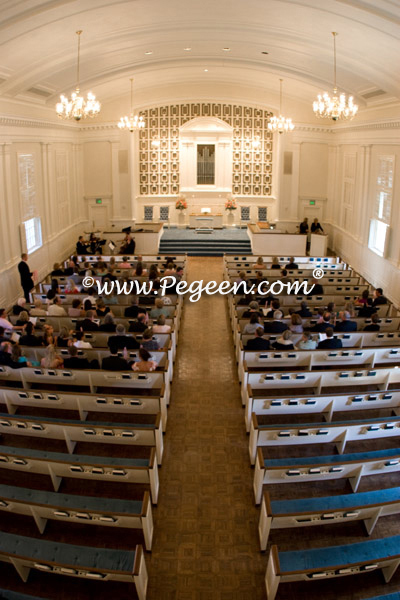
(26, 276)
(304, 226)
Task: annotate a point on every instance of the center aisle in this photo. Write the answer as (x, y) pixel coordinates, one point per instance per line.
(205, 541)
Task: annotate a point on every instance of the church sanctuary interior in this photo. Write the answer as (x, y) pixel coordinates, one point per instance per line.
(200, 299)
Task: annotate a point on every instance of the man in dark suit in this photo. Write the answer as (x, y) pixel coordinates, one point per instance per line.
(133, 310)
(324, 324)
(304, 310)
(88, 323)
(114, 362)
(74, 362)
(345, 324)
(26, 276)
(275, 326)
(379, 298)
(139, 325)
(121, 340)
(331, 342)
(374, 326)
(317, 290)
(291, 264)
(258, 342)
(81, 247)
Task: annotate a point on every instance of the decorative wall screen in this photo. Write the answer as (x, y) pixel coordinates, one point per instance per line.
(252, 163)
(164, 213)
(245, 213)
(27, 187)
(262, 213)
(148, 213)
(384, 189)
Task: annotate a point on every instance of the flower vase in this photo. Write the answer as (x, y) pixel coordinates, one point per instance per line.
(230, 218)
(181, 218)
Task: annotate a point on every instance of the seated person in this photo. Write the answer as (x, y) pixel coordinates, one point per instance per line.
(109, 276)
(76, 362)
(284, 278)
(317, 290)
(316, 227)
(108, 324)
(57, 270)
(331, 342)
(81, 246)
(6, 358)
(284, 342)
(51, 359)
(277, 325)
(4, 322)
(306, 342)
(101, 308)
(55, 309)
(133, 309)
(140, 324)
(125, 264)
(88, 323)
(275, 263)
(28, 337)
(364, 300)
(159, 309)
(296, 323)
(144, 365)
(291, 264)
(304, 310)
(253, 308)
(76, 309)
(160, 326)
(379, 298)
(23, 319)
(19, 307)
(63, 339)
(48, 336)
(252, 325)
(38, 311)
(323, 324)
(258, 342)
(113, 362)
(275, 305)
(345, 324)
(79, 341)
(259, 264)
(170, 270)
(121, 340)
(71, 288)
(18, 357)
(374, 326)
(147, 341)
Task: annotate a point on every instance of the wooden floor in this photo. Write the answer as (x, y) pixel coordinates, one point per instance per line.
(205, 543)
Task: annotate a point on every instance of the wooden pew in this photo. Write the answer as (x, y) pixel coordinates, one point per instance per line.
(93, 381)
(274, 385)
(82, 403)
(320, 468)
(325, 405)
(72, 431)
(75, 561)
(334, 561)
(335, 432)
(91, 510)
(107, 469)
(310, 512)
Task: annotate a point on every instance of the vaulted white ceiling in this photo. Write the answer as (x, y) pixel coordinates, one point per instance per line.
(147, 39)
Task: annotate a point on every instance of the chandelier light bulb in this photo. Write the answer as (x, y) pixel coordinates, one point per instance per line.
(133, 122)
(337, 107)
(280, 124)
(77, 107)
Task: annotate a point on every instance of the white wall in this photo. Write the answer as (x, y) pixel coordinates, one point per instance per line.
(57, 156)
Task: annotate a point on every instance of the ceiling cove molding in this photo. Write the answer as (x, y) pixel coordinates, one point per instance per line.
(393, 123)
(8, 121)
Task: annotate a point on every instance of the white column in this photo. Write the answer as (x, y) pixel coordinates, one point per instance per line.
(333, 151)
(46, 226)
(116, 204)
(294, 196)
(134, 174)
(364, 205)
(6, 200)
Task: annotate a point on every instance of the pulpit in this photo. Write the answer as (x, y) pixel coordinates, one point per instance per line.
(205, 220)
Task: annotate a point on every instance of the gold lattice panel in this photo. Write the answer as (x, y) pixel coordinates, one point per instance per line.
(159, 166)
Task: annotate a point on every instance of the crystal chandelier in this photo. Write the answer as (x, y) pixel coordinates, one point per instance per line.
(77, 107)
(132, 122)
(280, 124)
(337, 107)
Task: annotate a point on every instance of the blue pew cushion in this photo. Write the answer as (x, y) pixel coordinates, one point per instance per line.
(74, 458)
(334, 458)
